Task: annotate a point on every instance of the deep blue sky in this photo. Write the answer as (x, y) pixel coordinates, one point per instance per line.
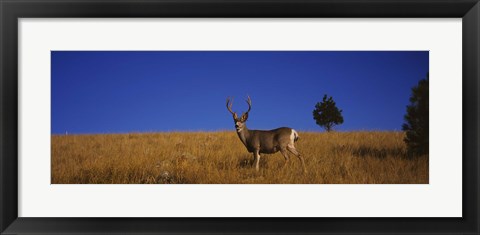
(119, 92)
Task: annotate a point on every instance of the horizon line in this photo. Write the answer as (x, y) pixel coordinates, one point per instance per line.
(207, 131)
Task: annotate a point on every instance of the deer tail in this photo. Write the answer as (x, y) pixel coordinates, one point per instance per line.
(295, 135)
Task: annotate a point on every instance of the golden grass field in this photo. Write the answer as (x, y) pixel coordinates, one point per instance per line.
(220, 158)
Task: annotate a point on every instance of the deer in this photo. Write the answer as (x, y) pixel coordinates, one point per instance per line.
(265, 141)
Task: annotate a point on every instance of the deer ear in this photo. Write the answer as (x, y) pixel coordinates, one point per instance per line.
(235, 116)
(244, 117)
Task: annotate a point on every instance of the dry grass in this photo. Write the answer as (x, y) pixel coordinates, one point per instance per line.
(220, 158)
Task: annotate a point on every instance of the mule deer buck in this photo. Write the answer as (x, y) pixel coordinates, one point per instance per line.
(259, 141)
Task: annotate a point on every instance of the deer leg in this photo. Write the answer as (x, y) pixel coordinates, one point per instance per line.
(296, 153)
(285, 155)
(257, 160)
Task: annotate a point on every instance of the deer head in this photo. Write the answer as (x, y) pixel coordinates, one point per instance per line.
(239, 122)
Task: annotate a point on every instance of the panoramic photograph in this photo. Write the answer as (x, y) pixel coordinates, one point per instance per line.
(239, 117)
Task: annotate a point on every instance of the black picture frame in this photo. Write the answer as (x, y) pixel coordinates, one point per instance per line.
(11, 11)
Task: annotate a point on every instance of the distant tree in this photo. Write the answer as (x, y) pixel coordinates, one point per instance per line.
(416, 124)
(326, 114)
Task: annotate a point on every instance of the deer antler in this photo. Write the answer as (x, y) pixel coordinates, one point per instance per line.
(249, 102)
(229, 106)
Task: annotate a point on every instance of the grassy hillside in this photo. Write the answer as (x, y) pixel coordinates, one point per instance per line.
(220, 158)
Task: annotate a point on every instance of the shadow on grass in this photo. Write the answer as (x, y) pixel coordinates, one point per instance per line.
(368, 151)
(245, 163)
(249, 162)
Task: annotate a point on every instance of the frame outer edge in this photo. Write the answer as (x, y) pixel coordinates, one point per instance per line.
(471, 111)
(8, 116)
(477, 60)
(476, 146)
(2, 178)
(3, 221)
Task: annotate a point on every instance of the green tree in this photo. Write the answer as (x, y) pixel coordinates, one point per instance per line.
(416, 124)
(326, 114)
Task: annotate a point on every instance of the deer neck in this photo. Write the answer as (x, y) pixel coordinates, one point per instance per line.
(243, 134)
